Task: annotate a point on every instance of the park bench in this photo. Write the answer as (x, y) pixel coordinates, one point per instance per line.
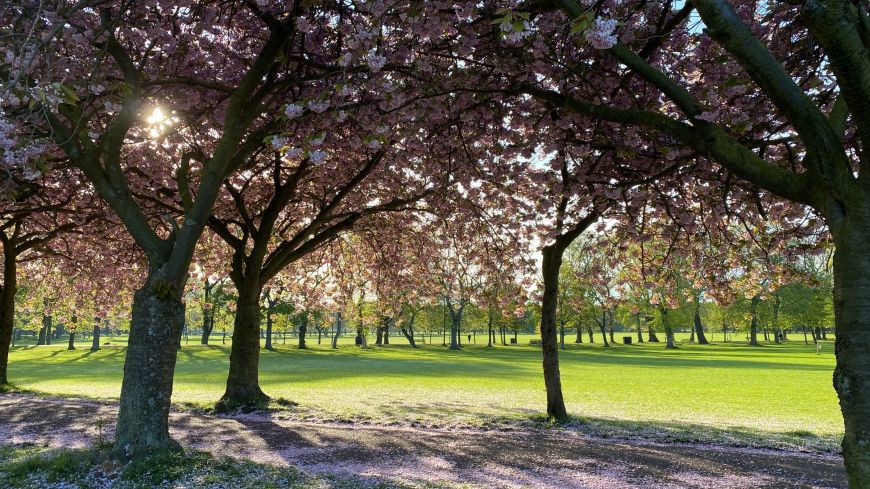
(535, 342)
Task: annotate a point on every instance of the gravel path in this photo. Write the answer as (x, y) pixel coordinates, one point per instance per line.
(490, 459)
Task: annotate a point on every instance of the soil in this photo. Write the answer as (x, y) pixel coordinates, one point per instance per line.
(435, 457)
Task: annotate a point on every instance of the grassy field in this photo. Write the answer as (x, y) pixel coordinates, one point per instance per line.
(740, 392)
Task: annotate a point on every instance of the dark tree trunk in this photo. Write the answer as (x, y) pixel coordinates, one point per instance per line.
(669, 337)
(591, 336)
(303, 330)
(270, 322)
(408, 333)
(562, 334)
(455, 323)
(41, 338)
(207, 325)
(692, 334)
(699, 328)
(207, 313)
(753, 325)
(806, 342)
(603, 327)
(71, 345)
(143, 411)
(7, 307)
(639, 329)
(337, 331)
(95, 344)
(579, 338)
(379, 335)
(551, 263)
(489, 336)
(651, 335)
(243, 385)
(776, 317)
(852, 344)
(669, 332)
(387, 332)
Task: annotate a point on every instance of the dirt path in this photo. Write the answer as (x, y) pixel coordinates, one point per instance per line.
(442, 457)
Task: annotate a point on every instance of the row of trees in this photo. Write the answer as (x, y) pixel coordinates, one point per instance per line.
(280, 126)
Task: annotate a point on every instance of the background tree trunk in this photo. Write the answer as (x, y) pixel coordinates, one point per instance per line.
(243, 385)
(95, 344)
(303, 330)
(651, 335)
(753, 325)
(699, 328)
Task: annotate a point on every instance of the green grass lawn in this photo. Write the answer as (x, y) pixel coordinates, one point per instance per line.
(757, 392)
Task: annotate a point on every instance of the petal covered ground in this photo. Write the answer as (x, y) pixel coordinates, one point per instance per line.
(527, 458)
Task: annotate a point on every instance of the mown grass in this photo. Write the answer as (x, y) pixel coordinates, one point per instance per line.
(772, 395)
(33, 467)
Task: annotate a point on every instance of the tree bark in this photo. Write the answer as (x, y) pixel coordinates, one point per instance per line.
(303, 330)
(379, 335)
(669, 331)
(7, 306)
(562, 334)
(489, 336)
(699, 328)
(95, 344)
(455, 322)
(603, 327)
(753, 325)
(852, 344)
(639, 329)
(551, 263)
(651, 335)
(337, 331)
(243, 385)
(408, 333)
(591, 336)
(143, 412)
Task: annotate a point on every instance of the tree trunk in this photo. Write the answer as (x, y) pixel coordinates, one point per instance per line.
(669, 337)
(379, 335)
(408, 333)
(562, 334)
(269, 323)
(669, 331)
(692, 334)
(455, 322)
(337, 331)
(753, 325)
(551, 263)
(852, 345)
(489, 336)
(7, 307)
(806, 342)
(591, 336)
(651, 335)
(699, 328)
(41, 338)
(579, 338)
(639, 329)
(243, 385)
(143, 411)
(603, 327)
(95, 344)
(207, 313)
(387, 332)
(303, 330)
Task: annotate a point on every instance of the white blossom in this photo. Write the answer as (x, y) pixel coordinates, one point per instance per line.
(601, 35)
(293, 111)
(375, 60)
